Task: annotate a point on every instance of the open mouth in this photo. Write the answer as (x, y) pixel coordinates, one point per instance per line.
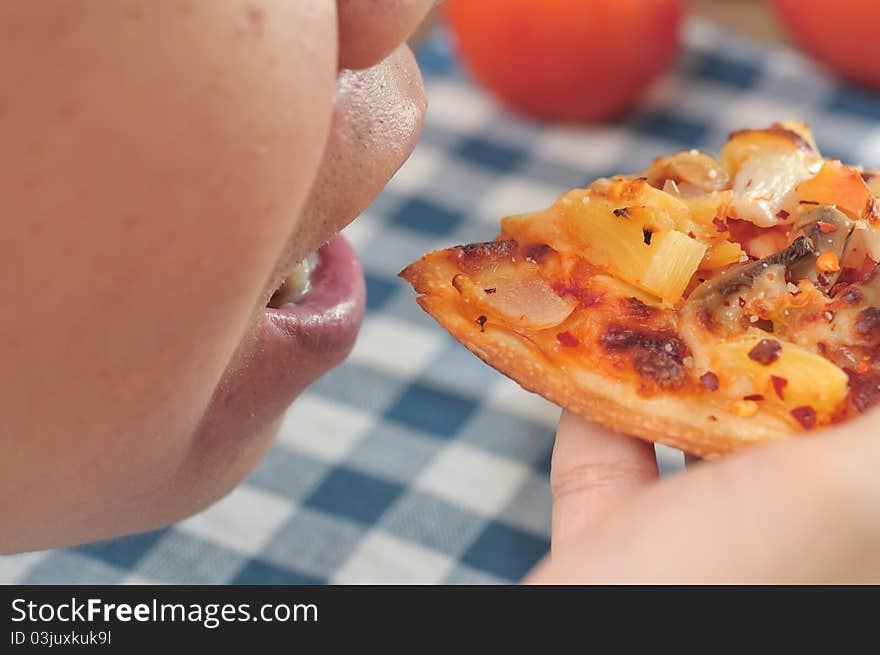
(309, 316)
(305, 319)
(309, 326)
(320, 303)
(296, 286)
(319, 310)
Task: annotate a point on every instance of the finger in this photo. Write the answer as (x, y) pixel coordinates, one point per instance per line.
(593, 469)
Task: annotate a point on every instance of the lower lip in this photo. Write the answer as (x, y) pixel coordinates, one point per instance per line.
(289, 349)
(327, 320)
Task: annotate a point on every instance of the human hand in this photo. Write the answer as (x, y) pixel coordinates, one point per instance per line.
(803, 510)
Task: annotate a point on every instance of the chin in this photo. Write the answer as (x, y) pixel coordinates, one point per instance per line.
(293, 345)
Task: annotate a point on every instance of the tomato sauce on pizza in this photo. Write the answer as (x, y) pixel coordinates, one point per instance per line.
(707, 303)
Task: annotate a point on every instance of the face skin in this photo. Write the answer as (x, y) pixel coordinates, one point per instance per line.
(165, 164)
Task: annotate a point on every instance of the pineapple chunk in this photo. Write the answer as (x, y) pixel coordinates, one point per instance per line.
(538, 227)
(633, 240)
(705, 207)
(722, 254)
(674, 261)
(803, 378)
(635, 192)
(661, 262)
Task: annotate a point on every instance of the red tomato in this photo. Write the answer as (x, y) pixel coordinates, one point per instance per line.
(842, 35)
(566, 59)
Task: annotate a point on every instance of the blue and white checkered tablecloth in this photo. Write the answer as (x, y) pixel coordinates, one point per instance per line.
(415, 462)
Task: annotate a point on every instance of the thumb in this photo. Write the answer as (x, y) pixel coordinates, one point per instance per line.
(592, 470)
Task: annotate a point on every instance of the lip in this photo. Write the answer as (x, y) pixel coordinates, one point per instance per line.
(289, 348)
(377, 119)
(327, 320)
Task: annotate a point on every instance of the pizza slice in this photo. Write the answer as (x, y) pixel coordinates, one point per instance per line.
(706, 303)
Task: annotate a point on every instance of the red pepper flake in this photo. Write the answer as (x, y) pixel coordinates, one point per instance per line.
(827, 228)
(805, 415)
(621, 213)
(823, 347)
(490, 290)
(741, 301)
(771, 277)
(754, 396)
(766, 351)
(709, 381)
(779, 385)
(782, 214)
(481, 321)
(692, 235)
(567, 339)
(720, 225)
(712, 417)
(862, 367)
(808, 202)
(851, 275)
(822, 280)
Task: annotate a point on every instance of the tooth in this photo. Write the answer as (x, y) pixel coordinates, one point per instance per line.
(297, 284)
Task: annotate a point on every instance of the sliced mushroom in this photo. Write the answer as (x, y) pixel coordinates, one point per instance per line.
(829, 230)
(734, 280)
(799, 258)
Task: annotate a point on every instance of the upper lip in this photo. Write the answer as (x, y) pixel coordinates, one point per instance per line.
(377, 119)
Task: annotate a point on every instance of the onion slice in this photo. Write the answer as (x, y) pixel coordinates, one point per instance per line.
(517, 295)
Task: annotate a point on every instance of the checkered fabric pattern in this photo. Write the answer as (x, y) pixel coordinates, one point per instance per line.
(415, 462)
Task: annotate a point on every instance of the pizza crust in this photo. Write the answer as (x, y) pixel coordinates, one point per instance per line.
(679, 422)
(632, 364)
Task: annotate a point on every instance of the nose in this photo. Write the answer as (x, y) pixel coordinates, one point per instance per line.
(377, 119)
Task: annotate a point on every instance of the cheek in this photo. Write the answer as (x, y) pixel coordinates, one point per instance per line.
(155, 158)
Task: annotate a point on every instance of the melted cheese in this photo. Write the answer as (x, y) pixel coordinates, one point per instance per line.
(764, 188)
(616, 295)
